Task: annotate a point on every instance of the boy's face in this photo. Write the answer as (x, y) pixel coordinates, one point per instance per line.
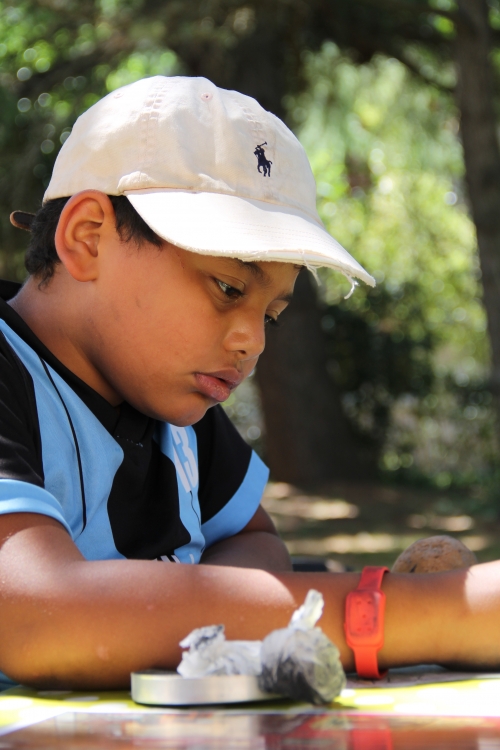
(174, 332)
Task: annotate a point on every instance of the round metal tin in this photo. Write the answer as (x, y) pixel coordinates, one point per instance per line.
(155, 687)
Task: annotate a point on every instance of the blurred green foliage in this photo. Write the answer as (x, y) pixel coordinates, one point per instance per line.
(84, 50)
(410, 356)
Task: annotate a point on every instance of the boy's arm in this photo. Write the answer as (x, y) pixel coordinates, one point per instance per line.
(72, 623)
(256, 546)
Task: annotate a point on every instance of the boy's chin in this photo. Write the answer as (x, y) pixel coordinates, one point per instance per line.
(182, 416)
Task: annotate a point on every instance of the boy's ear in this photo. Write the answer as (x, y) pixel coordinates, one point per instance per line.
(86, 221)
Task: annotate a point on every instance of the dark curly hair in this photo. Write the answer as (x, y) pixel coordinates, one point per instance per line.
(41, 256)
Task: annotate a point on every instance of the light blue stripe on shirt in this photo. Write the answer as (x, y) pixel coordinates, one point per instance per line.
(24, 497)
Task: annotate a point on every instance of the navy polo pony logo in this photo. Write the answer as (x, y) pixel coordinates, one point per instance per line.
(262, 161)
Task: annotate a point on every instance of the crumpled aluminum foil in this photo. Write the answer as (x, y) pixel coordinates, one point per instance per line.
(209, 653)
(299, 661)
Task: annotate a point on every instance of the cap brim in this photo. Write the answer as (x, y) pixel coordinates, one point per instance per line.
(235, 227)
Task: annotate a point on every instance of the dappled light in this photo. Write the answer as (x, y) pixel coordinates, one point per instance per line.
(352, 525)
(407, 365)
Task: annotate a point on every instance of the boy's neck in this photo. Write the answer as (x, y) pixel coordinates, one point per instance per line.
(54, 314)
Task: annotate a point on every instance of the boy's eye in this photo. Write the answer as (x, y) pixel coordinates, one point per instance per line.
(233, 293)
(228, 290)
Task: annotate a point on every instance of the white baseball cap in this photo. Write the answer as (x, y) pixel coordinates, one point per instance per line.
(208, 170)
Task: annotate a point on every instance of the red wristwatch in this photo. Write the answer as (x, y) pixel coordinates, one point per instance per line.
(364, 621)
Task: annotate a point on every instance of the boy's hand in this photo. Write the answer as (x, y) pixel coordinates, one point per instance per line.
(256, 546)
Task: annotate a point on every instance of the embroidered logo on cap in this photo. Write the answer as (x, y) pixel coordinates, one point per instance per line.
(262, 161)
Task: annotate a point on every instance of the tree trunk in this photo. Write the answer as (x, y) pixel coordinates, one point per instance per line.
(482, 160)
(309, 441)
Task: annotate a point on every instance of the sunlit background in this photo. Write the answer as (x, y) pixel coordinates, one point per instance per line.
(410, 358)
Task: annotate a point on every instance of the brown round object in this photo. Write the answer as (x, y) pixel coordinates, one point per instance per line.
(433, 555)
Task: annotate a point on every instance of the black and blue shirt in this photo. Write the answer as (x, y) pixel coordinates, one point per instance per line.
(122, 484)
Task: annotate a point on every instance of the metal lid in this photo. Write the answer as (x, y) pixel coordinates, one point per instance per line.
(156, 687)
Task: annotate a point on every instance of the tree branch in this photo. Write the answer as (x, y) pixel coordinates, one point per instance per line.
(417, 71)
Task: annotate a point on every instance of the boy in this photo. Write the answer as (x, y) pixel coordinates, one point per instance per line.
(160, 254)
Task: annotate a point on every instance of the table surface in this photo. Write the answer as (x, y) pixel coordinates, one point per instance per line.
(199, 731)
(406, 711)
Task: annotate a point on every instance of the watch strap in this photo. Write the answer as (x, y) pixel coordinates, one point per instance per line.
(371, 577)
(365, 656)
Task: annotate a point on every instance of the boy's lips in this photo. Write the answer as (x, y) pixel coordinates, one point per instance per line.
(218, 385)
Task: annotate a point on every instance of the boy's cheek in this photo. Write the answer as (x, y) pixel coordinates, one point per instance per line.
(174, 402)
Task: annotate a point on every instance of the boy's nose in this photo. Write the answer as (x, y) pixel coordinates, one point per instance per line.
(247, 339)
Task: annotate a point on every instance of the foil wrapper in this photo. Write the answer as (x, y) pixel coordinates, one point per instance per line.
(210, 654)
(298, 662)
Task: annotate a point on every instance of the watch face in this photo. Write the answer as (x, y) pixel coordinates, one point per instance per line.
(363, 617)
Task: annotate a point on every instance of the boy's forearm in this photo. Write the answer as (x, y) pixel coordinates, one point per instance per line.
(89, 624)
(73, 623)
(254, 549)
(110, 618)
